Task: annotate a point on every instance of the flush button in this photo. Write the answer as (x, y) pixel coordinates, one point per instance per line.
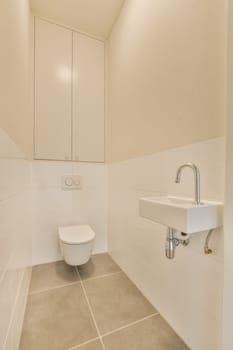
(68, 181)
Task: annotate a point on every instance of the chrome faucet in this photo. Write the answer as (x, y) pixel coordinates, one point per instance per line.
(196, 179)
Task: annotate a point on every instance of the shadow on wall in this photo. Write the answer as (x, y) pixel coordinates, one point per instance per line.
(8, 148)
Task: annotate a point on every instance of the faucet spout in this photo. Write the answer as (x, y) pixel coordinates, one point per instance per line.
(196, 172)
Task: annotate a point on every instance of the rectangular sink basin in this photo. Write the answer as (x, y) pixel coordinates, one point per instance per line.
(182, 214)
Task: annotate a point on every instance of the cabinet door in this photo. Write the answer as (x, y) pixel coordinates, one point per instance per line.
(53, 66)
(88, 99)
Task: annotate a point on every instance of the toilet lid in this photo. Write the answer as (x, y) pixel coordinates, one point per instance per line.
(77, 234)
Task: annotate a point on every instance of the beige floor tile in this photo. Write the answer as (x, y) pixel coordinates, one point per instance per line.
(116, 301)
(57, 319)
(52, 275)
(100, 264)
(95, 345)
(151, 334)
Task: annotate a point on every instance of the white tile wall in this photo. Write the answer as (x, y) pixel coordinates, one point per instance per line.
(33, 203)
(15, 240)
(193, 307)
(14, 332)
(187, 291)
(54, 207)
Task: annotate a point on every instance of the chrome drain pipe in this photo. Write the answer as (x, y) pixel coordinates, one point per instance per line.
(172, 242)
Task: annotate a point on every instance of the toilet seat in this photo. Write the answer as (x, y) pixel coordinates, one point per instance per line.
(76, 234)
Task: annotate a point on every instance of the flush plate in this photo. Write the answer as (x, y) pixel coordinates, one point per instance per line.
(71, 182)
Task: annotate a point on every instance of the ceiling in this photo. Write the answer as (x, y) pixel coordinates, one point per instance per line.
(95, 17)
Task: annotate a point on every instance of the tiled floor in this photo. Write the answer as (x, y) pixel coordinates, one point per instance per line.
(94, 307)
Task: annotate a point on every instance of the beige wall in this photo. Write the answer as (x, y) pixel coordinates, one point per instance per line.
(228, 224)
(166, 106)
(166, 76)
(15, 83)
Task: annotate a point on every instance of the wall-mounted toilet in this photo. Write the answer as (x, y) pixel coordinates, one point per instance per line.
(76, 243)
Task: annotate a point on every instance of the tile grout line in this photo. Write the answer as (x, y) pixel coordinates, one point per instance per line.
(101, 276)
(83, 344)
(115, 330)
(130, 324)
(52, 288)
(72, 283)
(90, 309)
(100, 337)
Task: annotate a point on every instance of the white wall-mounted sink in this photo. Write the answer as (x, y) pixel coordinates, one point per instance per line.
(182, 214)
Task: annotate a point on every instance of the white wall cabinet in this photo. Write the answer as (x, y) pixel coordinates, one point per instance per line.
(69, 95)
(88, 99)
(53, 68)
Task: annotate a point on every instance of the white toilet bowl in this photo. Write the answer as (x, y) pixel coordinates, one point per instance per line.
(76, 243)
